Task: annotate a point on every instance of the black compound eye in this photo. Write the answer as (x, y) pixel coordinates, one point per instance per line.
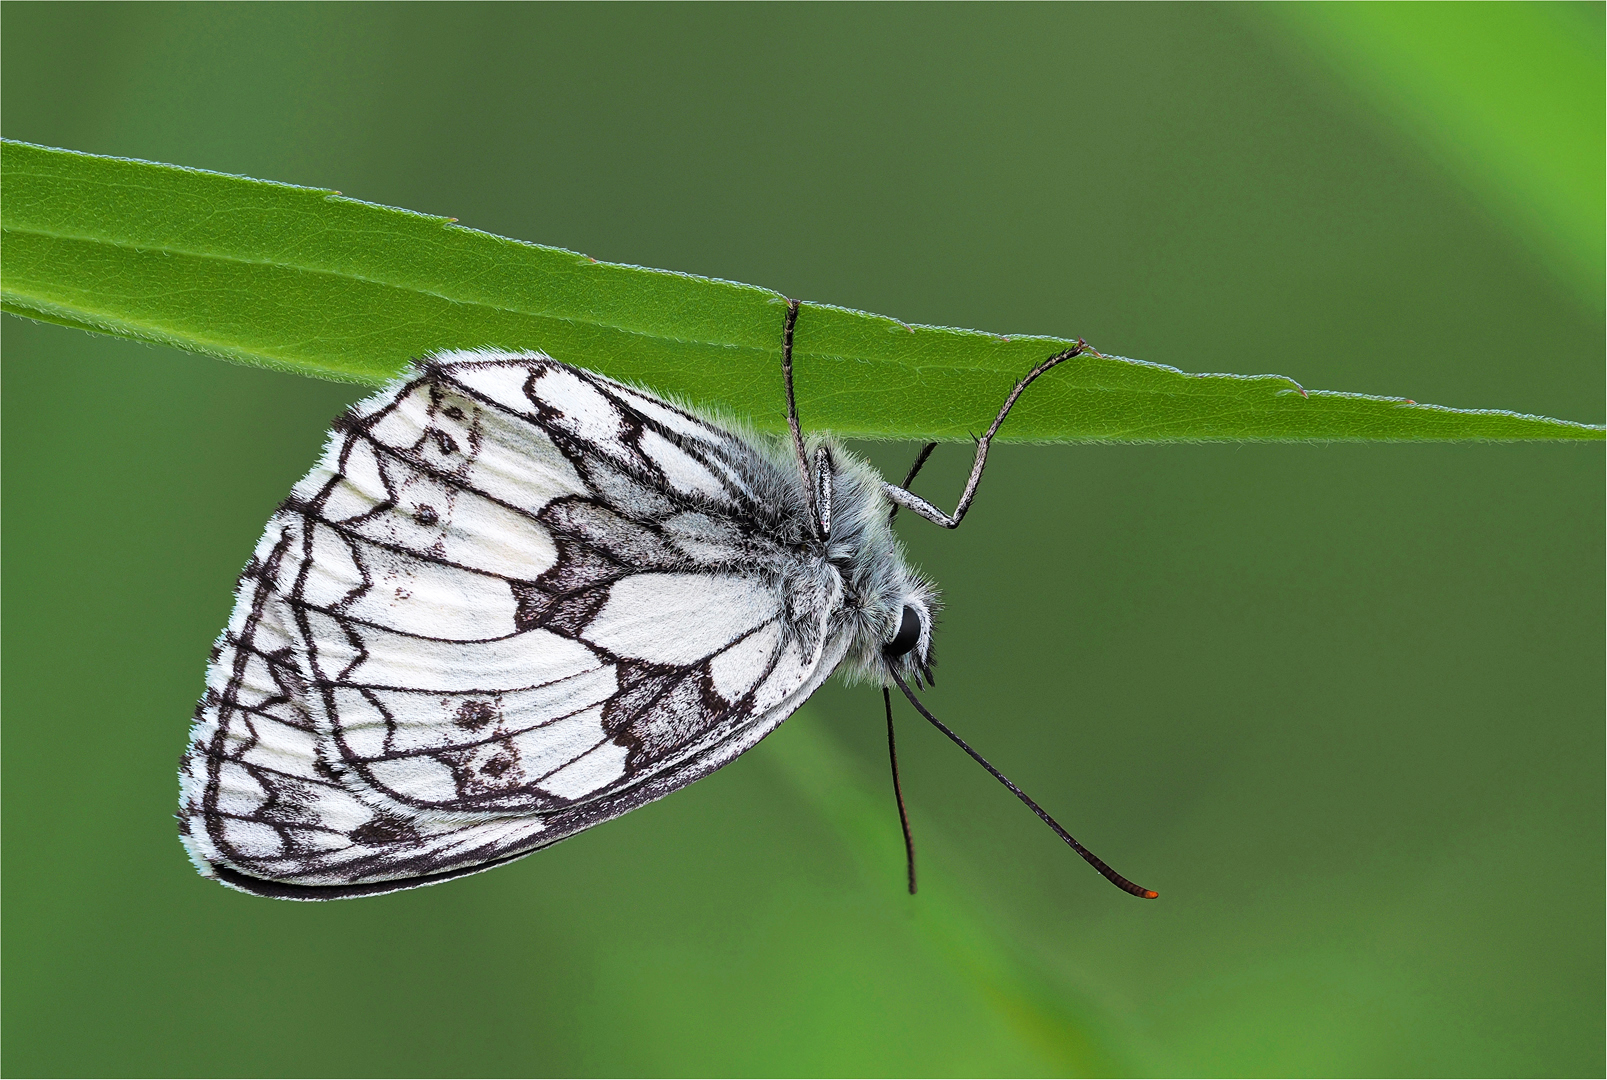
(909, 634)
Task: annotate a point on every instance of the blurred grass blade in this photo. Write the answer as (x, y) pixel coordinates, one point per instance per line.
(1049, 1019)
(306, 280)
(1507, 97)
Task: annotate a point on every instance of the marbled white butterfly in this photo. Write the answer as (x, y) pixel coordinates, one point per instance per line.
(515, 599)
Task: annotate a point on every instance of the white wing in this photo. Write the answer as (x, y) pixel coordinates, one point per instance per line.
(514, 599)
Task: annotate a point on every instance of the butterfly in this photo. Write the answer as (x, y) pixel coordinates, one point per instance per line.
(515, 599)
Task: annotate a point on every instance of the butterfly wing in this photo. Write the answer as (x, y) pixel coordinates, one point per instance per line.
(514, 599)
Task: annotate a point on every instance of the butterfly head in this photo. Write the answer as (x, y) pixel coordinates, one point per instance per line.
(909, 648)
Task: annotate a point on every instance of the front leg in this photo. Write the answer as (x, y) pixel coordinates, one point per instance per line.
(902, 496)
(820, 524)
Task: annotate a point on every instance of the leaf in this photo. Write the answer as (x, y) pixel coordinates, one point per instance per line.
(306, 280)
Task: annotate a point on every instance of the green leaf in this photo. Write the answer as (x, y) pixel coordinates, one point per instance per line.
(306, 280)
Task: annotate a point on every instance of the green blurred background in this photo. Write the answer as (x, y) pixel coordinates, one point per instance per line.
(1341, 705)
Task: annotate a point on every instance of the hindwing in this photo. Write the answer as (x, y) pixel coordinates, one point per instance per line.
(514, 599)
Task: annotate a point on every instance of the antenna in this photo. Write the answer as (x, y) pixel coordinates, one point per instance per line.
(1093, 860)
(898, 793)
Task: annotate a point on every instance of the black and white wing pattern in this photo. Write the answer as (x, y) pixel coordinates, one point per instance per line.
(513, 600)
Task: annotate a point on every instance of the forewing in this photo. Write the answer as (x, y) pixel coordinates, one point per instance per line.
(514, 599)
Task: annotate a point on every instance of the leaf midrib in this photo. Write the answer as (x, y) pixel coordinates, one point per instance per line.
(413, 217)
(1233, 387)
(346, 275)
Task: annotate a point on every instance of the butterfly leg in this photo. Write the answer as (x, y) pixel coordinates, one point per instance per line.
(809, 483)
(915, 469)
(902, 496)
